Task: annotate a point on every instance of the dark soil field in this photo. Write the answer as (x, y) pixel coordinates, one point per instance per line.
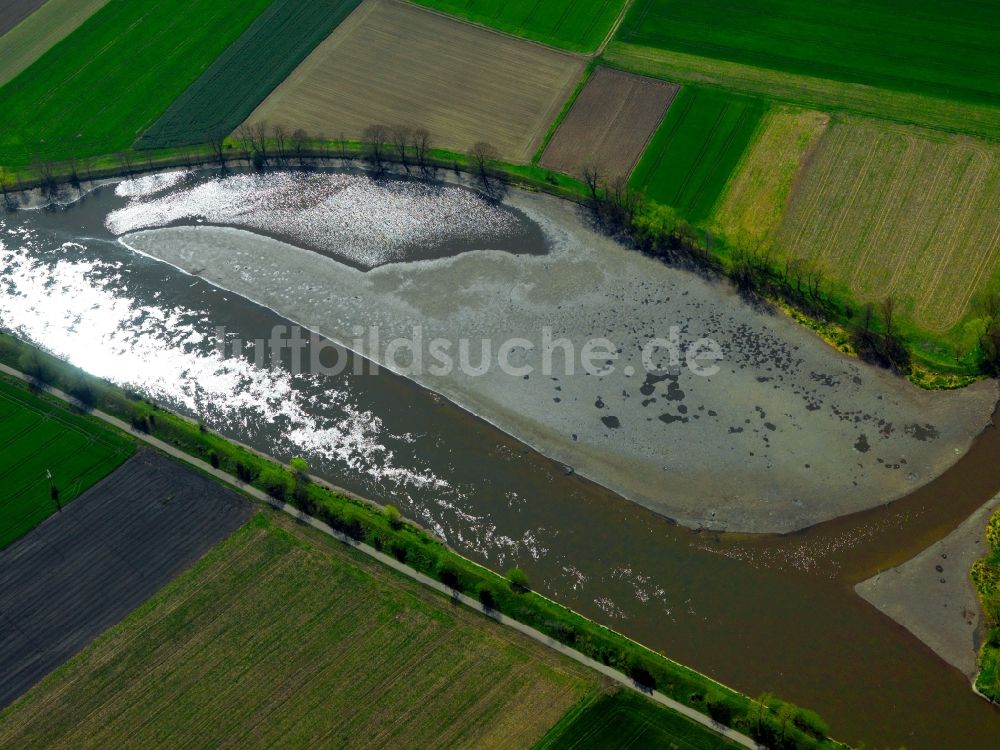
(12, 12)
(87, 567)
(609, 124)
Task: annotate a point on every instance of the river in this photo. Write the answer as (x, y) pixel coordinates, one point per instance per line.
(759, 612)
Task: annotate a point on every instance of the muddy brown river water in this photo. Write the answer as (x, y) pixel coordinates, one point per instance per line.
(759, 612)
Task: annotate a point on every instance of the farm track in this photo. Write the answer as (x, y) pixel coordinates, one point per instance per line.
(892, 210)
(86, 567)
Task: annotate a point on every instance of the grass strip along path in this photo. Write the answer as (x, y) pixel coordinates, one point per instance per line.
(95, 91)
(226, 94)
(39, 437)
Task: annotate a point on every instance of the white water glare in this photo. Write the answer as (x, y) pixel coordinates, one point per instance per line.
(365, 221)
(77, 308)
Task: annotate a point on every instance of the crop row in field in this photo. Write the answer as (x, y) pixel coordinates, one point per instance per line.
(391, 63)
(621, 720)
(87, 567)
(754, 202)
(249, 69)
(39, 438)
(609, 124)
(32, 37)
(946, 50)
(570, 24)
(280, 637)
(696, 148)
(898, 211)
(97, 89)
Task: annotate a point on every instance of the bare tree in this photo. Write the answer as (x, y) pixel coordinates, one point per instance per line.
(482, 154)
(376, 136)
(125, 157)
(299, 142)
(280, 138)
(401, 140)
(218, 144)
(244, 134)
(592, 178)
(421, 140)
(345, 153)
(888, 307)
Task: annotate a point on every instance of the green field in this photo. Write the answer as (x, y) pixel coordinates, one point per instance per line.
(283, 637)
(95, 91)
(697, 146)
(243, 76)
(37, 436)
(578, 25)
(946, 49)
(623, 720)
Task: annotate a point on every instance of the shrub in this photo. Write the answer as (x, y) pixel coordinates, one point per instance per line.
(486, 597)
(811, 723)
(213, 458)
(393, 516)
(448, 575)
(720, 707)
(640, 673)
(518, 580)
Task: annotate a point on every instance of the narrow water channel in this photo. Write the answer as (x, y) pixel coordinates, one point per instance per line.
(768, 613)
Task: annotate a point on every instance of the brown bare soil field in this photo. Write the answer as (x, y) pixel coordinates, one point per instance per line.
(751, 208)
(391, 63)
(895, 210)
(12, 12)
(609, 124)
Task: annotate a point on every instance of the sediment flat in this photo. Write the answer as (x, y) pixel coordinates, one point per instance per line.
(932, 596)
(786, 434)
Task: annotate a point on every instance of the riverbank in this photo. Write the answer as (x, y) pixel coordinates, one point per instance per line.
(787, 434)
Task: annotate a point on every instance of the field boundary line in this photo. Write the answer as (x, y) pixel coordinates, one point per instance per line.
(614, 28)
(399, 567)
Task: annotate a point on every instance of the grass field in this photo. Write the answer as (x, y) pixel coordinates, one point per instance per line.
(621, 720)
(37, 436)
(30, 39)
(696, 148)
(98, 88)
(609, 124)
(225, 95)
(947, 50)
(891, 210)
(281, 637)
(809, 92)
(754, 201)
(579, 25)
(392, 63)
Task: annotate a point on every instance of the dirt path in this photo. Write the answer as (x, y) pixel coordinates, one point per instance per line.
(391, 562)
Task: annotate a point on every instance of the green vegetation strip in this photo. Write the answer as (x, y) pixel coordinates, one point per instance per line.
(921, 46)
(986, 577)
(39, 437)
(696, 148)
(242, 76)
(416, 548)
(577, 25)
(97, 89)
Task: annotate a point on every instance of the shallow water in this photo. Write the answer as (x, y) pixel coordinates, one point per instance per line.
(771, 613)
